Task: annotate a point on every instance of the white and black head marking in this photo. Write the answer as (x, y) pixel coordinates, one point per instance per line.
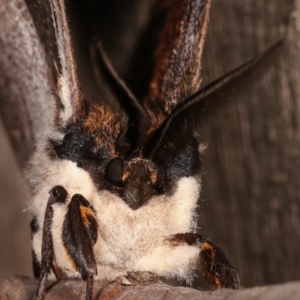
(112, 195)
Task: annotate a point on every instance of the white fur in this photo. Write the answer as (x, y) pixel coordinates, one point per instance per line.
(128, 240)
(65, 96)
(67, 83)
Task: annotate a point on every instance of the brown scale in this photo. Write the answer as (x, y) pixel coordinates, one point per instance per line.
(175, 77)
(99, 117)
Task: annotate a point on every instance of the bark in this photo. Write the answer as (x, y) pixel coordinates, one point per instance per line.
(24, 288)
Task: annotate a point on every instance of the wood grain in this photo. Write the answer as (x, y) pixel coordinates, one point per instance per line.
(22, 288)
(251, 190)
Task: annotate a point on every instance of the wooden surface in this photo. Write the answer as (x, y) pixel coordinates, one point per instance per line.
(18, 288)
(251, 190)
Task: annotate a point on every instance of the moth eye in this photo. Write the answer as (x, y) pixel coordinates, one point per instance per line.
(114, 171)
(68, 137)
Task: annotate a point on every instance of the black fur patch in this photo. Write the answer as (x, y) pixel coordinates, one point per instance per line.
(36, 266)
(34, 225)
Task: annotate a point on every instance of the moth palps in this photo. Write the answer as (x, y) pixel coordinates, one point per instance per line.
(116, 192)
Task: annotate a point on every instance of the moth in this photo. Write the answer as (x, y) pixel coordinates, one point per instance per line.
(116, 192)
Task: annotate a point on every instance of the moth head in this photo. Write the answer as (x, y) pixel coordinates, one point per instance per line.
(93, 143)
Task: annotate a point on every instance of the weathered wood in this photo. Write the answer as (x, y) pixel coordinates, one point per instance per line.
(21, 288)
(251, 189)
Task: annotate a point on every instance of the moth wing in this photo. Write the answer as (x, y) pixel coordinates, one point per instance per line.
(177, 68)
(25, 86)
(191, 115)
(38, 85)
(67, 84)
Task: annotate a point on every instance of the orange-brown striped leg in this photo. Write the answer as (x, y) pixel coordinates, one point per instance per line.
(79, 236)
(216, 268)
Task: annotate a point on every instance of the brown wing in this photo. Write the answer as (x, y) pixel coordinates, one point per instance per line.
(178, 59)
(38, 86)
(26, 89)
(191, 115)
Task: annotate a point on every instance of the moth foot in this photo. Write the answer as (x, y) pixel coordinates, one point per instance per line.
(216, 268)
(124, 280)
(134, 278)
(218, 272)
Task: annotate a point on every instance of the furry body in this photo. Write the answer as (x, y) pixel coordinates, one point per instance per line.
(129, 240)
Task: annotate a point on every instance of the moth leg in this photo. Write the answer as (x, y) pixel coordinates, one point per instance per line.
(137, 277)
(57, 195)
(216, 268)
(79, 236)
(36, 266)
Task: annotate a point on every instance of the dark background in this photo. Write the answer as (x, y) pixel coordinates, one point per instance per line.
(250, 204)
